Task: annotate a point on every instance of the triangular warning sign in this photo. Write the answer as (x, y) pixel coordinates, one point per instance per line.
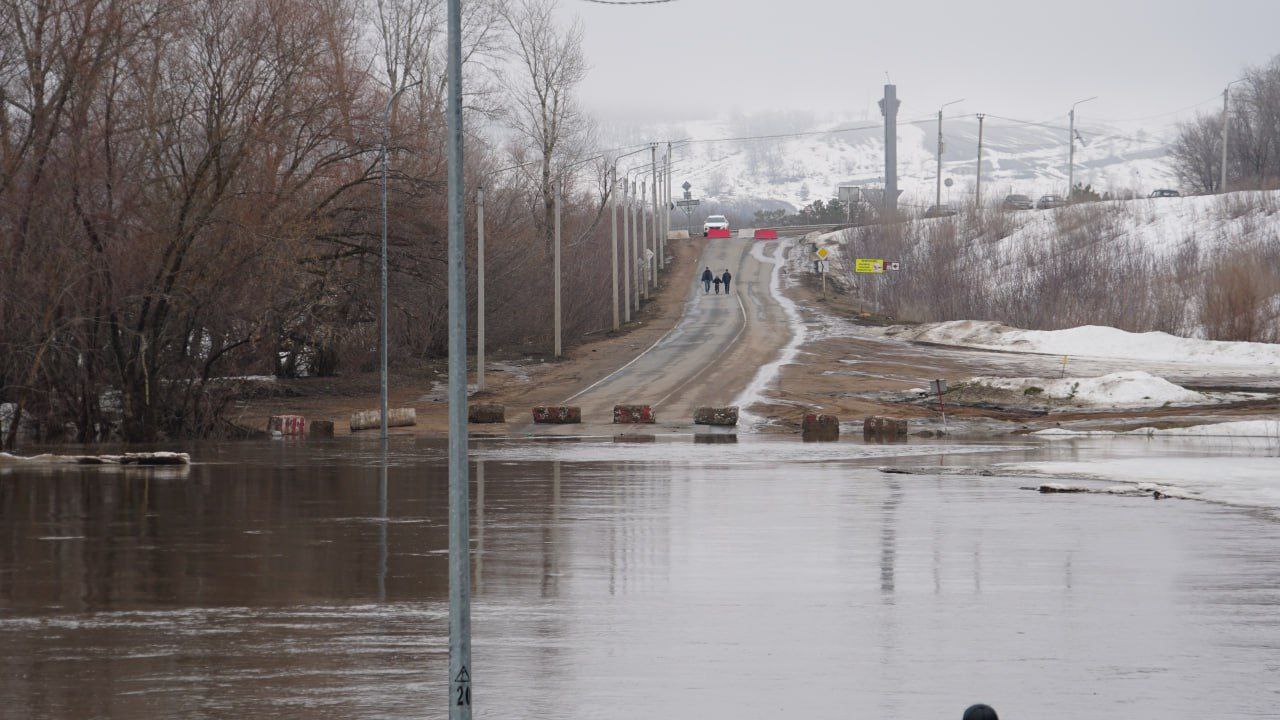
(463, 676)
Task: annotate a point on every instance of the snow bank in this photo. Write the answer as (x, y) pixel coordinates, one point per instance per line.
(1094, 341)
(1238, 429)
(1122, 388)
(1242, 481)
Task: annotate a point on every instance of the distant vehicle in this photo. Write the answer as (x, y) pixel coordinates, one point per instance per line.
(938, 211)
(714, 222)
(1165, 192)
(1017, 202)
(1047, 202)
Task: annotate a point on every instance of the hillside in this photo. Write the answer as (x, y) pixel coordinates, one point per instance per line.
(1196, 266)
(1017, 157)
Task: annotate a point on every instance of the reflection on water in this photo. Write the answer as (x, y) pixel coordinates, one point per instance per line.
(283, 579)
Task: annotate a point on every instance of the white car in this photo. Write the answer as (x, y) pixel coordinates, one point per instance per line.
(714, 222)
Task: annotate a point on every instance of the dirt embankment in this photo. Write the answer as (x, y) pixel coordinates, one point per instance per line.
(515, 380)
(852, 377)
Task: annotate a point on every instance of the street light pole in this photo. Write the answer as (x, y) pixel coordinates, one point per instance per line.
(977, 187)
(1071, 154)
(627, 232)
(1226, 117)
(459, 699)
(480, 288)
(613, 258)
(556, 267)
(938, 195)
(382, 311)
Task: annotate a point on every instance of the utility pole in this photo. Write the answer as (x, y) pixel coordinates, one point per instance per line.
(1226, 117)
(459, 486)
(635, 247)
(653, 262)
(626, 249)
(480, 288)
(666, 208)
(889, 109)
(938, 197)
(556, 267)
(1226, 123)
(382, 314)
(644, 242)
(613, 258)
(1071, 154)
(977, 188)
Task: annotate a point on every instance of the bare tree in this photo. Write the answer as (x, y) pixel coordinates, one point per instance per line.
(545, 111)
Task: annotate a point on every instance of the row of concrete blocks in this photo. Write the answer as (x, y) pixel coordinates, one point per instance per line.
(297, 425)
(818, 426)
(622, 415)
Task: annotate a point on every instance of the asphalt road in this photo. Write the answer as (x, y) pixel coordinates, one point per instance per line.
(712, 353)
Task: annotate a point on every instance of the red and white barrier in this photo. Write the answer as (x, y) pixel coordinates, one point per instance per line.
(766, 234)
(287, 424)
(714, 233)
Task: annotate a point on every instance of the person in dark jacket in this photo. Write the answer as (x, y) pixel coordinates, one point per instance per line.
(726, 277)
(717, 281)
(706, 281)
(980, 712)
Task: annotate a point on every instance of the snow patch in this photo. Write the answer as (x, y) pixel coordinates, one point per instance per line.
(1240, 481)
(1238, 429)
(1093, 341)
(1123, 388)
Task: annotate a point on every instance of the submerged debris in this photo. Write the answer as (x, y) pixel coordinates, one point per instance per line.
(140, 458)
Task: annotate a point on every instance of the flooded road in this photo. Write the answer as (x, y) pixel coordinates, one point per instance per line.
(675, 579)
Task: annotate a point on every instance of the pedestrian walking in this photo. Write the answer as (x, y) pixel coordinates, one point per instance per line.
(717, 281)
(706, 280)
(727, 277)
(980, 712)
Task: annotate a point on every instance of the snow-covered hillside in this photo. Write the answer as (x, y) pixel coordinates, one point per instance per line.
(1017, 157)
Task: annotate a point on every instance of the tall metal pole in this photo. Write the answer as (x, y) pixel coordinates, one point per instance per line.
(977, 187)
(1071, 154)
(937, 200)
(382, 312)
(382, 306)
(644, 242)
(635, 251)
(613, 212)
(627, 231)
(653, 262)
(459, 486)
(1226, 98)
(666, 209)
(480, 288)
(556, 267)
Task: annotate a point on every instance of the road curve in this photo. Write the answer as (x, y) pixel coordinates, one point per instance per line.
(712, 353)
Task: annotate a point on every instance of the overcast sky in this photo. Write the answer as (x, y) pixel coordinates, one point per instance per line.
(1020, 58)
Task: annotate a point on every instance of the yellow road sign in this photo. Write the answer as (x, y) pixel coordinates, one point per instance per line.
(868, 265)
(823, 253)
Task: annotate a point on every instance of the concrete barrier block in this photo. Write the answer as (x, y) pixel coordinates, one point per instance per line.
(370, 419)
(287, 424)
(320, 429)
(765, 234)
(884, 427)
(724, 416)
(633, 415)
(719, 233)
(816, 426)
(557, 414)
(486, 413)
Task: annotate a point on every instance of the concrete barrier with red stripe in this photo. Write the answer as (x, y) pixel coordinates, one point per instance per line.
(817, 426)
(557, 415)
(718, 233)
(634, 415)
(766, 234)
(287, 424)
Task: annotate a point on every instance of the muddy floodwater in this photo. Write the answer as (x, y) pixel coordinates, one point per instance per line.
(673, 579)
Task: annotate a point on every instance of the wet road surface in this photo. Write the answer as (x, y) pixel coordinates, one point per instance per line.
(762, 578)
(710, 356)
